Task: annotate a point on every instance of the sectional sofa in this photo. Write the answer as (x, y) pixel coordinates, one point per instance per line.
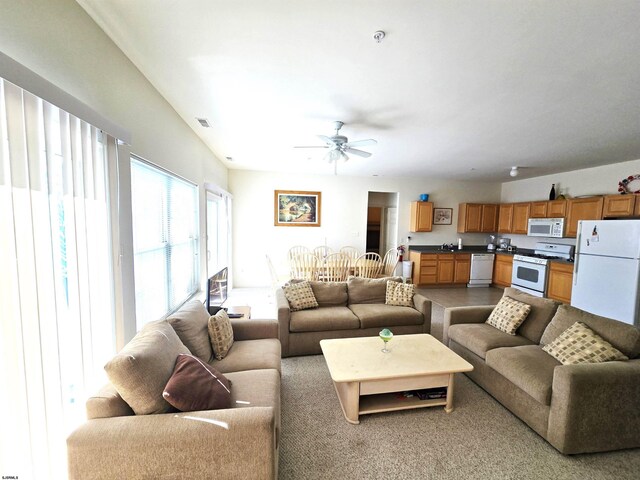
(588, 407)
(355, 308)
(237, 442)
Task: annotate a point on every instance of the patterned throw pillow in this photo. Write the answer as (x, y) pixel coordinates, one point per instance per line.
(580, 344)
(400, 294)
(508, 315)
(220, 334)
(300, 296)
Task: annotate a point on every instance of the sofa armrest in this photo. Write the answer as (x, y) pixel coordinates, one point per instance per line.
(470, 314)
(423, 305)
(594, 407)
(254, 329)
(284, 317)
(230, 443)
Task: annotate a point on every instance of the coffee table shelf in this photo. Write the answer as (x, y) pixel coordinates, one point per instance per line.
(388, 402)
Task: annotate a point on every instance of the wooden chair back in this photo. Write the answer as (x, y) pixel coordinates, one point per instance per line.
(335, 268)
(352, 252)
(305, 266)
(389, 262)
(368, 265)
(298, 249)
(322, 251)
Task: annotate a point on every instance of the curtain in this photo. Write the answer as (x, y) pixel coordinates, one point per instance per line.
(56, 279)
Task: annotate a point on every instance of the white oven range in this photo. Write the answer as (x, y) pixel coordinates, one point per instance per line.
(530, 270)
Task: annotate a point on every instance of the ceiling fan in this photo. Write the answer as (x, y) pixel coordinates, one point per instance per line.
(339, 146)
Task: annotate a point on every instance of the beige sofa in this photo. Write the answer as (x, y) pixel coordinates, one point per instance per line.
(239, 442)
(355, 308)
(577, 408)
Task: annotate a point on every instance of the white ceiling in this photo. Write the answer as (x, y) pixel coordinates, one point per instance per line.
(458, 89)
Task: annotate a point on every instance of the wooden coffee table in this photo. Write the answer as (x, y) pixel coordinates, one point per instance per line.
(370, 381)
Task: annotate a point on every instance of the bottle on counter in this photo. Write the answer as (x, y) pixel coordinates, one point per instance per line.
(552, 193)
(459, 244)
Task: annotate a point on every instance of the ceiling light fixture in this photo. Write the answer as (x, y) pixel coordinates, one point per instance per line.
(204, 122)
(378, 36)
(514, 171)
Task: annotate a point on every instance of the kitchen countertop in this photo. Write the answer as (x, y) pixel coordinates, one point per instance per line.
(474, 249)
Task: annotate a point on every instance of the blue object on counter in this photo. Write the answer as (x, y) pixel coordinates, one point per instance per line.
(424, 197)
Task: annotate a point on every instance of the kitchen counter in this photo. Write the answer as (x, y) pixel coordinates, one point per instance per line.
(465, 249)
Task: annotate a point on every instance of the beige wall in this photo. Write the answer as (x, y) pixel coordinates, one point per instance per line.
(344, 215)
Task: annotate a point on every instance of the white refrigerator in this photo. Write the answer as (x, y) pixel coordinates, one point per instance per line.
(606, 273)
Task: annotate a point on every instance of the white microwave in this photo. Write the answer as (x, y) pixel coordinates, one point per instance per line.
(546, 227)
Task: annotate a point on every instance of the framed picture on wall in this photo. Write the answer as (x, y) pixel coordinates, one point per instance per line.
(294, 208)
(442, 216)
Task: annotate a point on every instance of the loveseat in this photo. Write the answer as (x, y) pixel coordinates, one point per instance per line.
(355, 308)
(577, 408)
(236, 442)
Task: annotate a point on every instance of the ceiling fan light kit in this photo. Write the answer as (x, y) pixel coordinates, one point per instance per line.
(514, 171)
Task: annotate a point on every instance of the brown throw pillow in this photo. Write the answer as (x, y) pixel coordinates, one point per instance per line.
(508, 315)
(300, 296)
(195, 385)
(400, 294)
(220, 334)
(580, 344)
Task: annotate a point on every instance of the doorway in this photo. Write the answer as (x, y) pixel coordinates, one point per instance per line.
(382, 222)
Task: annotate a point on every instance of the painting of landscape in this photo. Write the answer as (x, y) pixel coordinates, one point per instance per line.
(295, 208)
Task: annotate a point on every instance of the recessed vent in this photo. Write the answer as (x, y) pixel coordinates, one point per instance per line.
(204, 122)
(229, 158)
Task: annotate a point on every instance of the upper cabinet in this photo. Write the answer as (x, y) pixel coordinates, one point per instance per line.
(477, 217)
(520, 218)
(556, 208)
(505, 217)
(582, 209)
(617, 206)
(421, 216)
(538, 210)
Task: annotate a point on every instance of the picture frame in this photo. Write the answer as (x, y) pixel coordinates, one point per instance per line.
(442, 216)
(295, 208)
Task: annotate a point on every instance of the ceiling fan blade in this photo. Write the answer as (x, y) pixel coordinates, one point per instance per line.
(359, 153)
(326, 139)
(311, 146)
(361, 143)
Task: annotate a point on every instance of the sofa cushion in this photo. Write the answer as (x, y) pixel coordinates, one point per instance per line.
(508, 314)
(255, 388)
(368, 290)
(323, 319)
(330, 294)
(481, 337)
(400, 294)
(381, 315)
(250, 355)
(622, 336)
(220, 334)
(143, 367)
(527, 367)
(542, 311)
(195, 386)
(300, 296)
(191, 324)
(580, 344)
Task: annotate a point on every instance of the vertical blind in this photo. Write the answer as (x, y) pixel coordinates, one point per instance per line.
(165, 240)
(56, 287)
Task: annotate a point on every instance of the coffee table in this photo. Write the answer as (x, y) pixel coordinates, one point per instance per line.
(370, 381)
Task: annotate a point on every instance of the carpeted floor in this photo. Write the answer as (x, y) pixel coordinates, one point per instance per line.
(480, 439)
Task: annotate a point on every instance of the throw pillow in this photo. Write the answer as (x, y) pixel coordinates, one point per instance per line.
(195, 385)
(400, 294)
(220, 334)
(580, 344)
(508, 315)
(191, 324)
(300, 296)
(143, 367)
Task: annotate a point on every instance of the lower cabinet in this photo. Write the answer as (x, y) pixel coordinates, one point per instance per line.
(560, 281)
(502, 269)
(440, 268)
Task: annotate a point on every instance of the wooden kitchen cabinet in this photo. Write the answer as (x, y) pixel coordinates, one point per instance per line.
(446, 264)
(560, 281)
(421, 217)
(582, 209)
(477, 217)
(502, 270)
(520, 220)
(556, 208)
(636, 211)
(431, 269)
(505, 217)
(538, 210)
(616, 206)
(462, 268)
(425, 268)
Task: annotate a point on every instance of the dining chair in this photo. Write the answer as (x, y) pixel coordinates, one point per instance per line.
(389, 262)
(293, 251)
(305, 266)
(367, 265)
(352, 252)
(322, 251)
(335, 268)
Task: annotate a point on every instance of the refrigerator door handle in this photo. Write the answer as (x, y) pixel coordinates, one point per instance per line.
(577, 255)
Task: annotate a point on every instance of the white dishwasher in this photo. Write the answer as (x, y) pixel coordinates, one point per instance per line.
(481, 269)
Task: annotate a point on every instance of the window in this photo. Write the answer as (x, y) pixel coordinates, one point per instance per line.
(165, 240)
(56, 280)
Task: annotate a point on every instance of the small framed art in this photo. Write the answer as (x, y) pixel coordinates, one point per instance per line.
(442, 216)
